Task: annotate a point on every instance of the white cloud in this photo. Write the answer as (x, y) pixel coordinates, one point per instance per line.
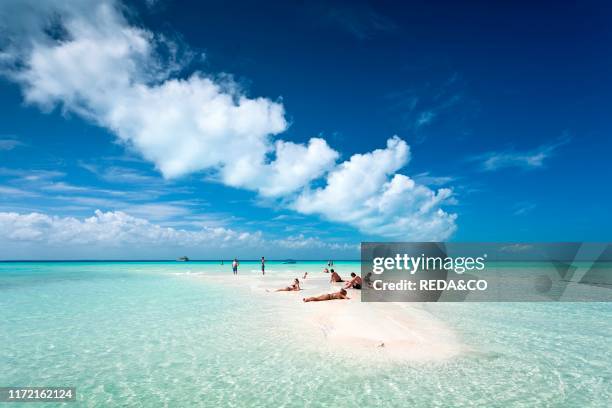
(121, 174)
(431, 180)
(425, 118)
(85, 57)
(12, 192)
(158, 211)
(300, 241)
(294, 167)
(499, 160)
(118, 229)
(63, 187)
(524, 208)
(31, 175)
(531, 159)
(114, 74)
(366, 192)
(9, 144)
(111, 229)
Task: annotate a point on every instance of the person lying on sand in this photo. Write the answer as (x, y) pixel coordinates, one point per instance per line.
(335, 277)
(355, 282)
(328, 296)
(294, 287)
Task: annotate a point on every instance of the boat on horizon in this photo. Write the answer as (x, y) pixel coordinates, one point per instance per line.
(182, 259)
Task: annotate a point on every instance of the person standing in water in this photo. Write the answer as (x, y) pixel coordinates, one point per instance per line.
(235, 266)
(263, 265)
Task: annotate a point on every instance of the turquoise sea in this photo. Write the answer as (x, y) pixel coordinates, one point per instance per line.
(169, 334)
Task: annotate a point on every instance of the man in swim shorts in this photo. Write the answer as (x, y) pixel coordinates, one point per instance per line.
(335, 277)
(355, 282)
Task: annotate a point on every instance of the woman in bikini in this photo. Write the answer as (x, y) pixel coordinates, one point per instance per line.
(328, 296)
(294, 287)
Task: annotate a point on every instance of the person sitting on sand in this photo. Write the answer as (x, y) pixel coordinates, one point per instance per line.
(355, 282)
(335, 277)
(294, 287)
(328, 296)
(325, 270)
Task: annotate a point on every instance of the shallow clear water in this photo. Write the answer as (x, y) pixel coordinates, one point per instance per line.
(156, 334)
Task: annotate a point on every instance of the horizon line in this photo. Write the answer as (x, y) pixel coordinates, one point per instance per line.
(174, 260)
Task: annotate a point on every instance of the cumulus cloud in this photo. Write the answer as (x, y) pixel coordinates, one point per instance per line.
(110, 228)
(118, 229)
(294, 167)
(88, 59)
(366, 192)
(119, 77)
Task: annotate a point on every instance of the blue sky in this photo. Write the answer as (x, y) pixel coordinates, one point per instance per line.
(299, 129)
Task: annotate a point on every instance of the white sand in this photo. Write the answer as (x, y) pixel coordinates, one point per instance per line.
(397, 331)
